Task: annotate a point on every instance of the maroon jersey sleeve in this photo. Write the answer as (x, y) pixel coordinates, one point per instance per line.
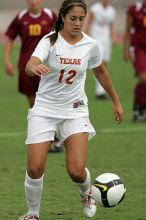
(13, 29)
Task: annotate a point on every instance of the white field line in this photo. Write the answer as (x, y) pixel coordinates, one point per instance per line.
(101, 131)
(120, 130)
(11, 134)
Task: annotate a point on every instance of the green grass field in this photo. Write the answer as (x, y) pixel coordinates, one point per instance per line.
(116, 148)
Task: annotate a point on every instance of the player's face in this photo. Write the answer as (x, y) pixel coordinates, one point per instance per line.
(74, 21)
(34, 5)
(105, 2)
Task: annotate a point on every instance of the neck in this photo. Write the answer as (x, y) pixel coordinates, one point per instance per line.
(104, 5)
(35, 12)
(72, 39)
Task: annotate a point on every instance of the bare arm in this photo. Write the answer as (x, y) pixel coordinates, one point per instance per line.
(89, 22)
(129, 24)
(7, 57)
(35, 67)
(102, 76)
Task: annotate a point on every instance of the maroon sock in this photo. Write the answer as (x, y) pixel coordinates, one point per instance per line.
(140, 95)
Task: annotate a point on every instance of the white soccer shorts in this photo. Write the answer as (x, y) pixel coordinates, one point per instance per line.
(42, 129)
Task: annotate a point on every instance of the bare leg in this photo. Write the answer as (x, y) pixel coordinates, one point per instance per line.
(76, 147)
(37, 156)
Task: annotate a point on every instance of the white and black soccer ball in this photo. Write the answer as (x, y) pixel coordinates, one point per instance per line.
(108, 190)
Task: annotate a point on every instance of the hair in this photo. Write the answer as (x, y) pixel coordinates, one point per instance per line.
(66, 6)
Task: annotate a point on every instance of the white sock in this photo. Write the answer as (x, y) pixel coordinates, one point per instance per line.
(85, 186)
(33, 191)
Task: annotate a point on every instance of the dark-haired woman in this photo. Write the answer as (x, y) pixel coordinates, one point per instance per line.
(61, 59)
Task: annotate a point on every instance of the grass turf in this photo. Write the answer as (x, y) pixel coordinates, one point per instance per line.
(116, 148)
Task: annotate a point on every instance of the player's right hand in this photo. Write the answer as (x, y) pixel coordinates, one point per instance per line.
(126, 55)
(9, 69)
(41, 70)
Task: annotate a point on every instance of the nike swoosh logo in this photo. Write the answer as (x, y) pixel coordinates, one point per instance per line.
(103, 187)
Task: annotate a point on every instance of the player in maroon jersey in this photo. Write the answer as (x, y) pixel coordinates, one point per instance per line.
(135, 49)
(30, 25)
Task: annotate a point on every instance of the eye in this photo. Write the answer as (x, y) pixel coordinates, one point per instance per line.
(82, 18)
(73, 18)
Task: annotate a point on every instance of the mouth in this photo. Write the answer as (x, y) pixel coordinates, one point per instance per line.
(76, 29)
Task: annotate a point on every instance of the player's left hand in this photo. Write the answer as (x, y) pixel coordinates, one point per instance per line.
(118, 113)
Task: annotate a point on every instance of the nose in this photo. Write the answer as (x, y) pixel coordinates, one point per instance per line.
(78, 22)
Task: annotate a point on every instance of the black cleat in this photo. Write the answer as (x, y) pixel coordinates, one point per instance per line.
(102, 97)
(56, 149)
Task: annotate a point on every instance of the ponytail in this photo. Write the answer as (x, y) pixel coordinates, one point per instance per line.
(58, 26)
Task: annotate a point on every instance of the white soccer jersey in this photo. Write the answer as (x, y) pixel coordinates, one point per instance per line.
(103, 17)
(100, 28)
(61, 94)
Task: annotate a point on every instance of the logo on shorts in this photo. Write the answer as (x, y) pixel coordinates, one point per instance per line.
(78, 104)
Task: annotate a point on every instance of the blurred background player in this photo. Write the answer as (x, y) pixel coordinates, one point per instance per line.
(135, 49)
(30, 25)
(99, 26)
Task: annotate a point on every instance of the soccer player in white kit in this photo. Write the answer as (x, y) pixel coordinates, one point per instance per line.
(61, 59)
(100, 26)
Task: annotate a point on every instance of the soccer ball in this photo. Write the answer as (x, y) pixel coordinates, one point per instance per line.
(108, 190)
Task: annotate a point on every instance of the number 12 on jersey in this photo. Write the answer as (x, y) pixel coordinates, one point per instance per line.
(69, 79)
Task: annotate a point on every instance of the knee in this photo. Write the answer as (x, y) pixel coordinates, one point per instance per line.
(35, 172)
(77, 173)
